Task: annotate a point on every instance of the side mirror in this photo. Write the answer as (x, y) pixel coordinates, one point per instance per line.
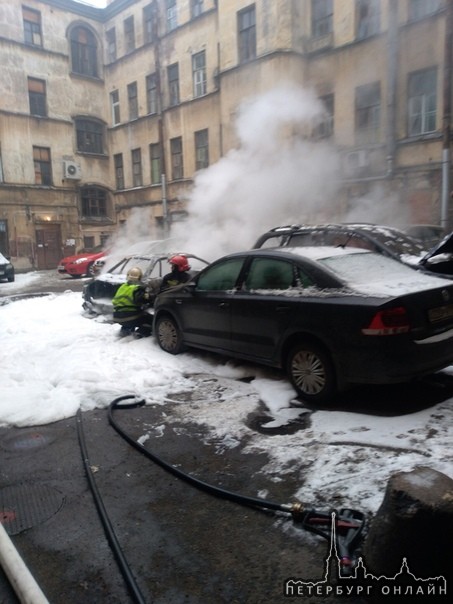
(189, 287)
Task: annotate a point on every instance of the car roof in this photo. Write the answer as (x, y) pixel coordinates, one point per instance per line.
(310, 252)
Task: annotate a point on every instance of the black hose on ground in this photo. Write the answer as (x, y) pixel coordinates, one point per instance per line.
(108, 528)
(199, 484)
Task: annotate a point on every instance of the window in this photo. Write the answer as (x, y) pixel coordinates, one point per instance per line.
(37, 97)
(129, 34)
(90, 136)
(172, 21)
(247, 34)
(368, 18)
(32, 26)
(267, 273)
(84, 52)
(151, 94)
(137, 180)
(321, 17)
(423, 8)
(173, 84)
(132, 100)
(201, 149)
(94, 202)
(111, 45)
(368, 113)
(115, 104)
(199, 73)
(325, 128)
(119, 170)
(177, 168)
(196, 8)
(155, 159)
(148, 23)
(222, 276)
(422, 101)
(43, 172)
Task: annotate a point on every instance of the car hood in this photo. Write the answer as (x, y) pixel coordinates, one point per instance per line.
(74, 258)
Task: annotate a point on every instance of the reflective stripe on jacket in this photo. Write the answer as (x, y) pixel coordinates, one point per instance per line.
(124, 299)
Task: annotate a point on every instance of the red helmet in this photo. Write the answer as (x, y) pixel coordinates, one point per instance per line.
(181, 262)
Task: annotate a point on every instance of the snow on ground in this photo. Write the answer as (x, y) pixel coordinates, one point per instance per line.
(54, 361)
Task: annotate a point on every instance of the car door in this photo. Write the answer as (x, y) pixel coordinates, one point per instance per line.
(260, 311)
(204, 310)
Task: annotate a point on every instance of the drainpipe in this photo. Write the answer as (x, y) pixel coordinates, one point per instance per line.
(161, 130)
(447, 91)
(392, 69)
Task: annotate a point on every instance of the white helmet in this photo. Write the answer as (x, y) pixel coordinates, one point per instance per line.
(134, 274)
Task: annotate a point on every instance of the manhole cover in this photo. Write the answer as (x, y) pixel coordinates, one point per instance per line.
(24, 506)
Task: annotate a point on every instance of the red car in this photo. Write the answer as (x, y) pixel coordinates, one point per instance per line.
(81, 264)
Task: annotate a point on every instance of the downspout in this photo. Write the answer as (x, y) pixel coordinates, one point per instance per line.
(392, 73)
(447, 91)
(160, 118)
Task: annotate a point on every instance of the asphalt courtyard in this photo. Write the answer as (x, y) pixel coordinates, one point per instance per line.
(94, 521)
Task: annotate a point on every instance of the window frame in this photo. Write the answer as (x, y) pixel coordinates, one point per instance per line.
(115, 107)
(129, 34)
(43, 166)
(371, 24)
(201, 142)
(155, 161)
(119, 170)
(246, 34)
(199, 74)
(173, 84)
(137, 171)
(171, 15)
(32, 24)
(111, 44)
(321, 18)
(427, 99)
(132, 101)
(37, 98)
(84, 53)
(93, 203)
(89, 136)
(152, 100)
(367, 113)
(177, 158)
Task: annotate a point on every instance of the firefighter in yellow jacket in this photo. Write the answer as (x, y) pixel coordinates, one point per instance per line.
(129, 303)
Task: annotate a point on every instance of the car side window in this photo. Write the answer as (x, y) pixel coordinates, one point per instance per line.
(222, 276)
(268, 273)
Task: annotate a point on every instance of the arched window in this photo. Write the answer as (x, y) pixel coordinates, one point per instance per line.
(84, 52)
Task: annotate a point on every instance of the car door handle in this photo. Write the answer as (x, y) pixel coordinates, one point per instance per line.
(224, 304)
(282, 308)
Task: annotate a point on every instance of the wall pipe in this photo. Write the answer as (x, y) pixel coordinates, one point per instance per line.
(20, 578)
(447, 92)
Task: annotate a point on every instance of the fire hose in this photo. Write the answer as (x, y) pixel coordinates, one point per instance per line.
(344, 526)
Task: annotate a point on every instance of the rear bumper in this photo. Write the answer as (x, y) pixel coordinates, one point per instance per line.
(394, 359)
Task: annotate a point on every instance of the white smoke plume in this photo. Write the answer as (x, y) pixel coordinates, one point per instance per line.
(269, 180)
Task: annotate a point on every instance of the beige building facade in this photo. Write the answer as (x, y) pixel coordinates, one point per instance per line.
(106, 110)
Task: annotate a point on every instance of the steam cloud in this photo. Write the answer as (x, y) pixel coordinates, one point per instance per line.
(276, 176)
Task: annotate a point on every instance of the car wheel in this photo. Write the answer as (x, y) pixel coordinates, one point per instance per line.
(169, 335)
(90, 271)
(11, 279)
(311, 372)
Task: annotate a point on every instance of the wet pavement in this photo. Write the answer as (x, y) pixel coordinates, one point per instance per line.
(181, 544)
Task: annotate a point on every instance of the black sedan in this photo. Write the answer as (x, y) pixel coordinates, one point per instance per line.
(329, 316)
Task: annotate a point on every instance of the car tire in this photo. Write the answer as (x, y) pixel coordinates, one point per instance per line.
(311, 372)
(90, 271)
(169, 335)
